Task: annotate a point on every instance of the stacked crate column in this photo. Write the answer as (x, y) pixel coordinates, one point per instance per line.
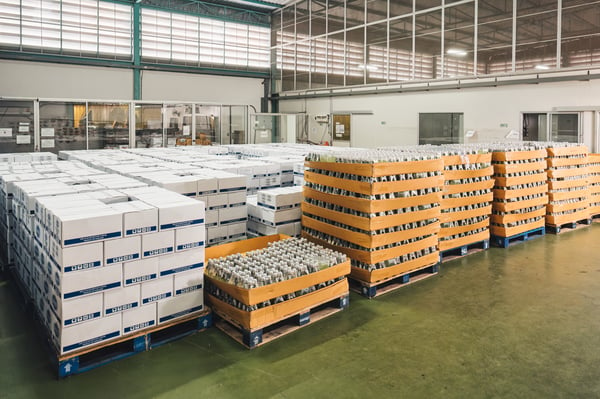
(384, 215)
(594, 184)
(520, 191)
(466, 201)
(568, 192)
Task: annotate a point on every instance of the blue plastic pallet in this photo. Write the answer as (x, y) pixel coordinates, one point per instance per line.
(570, 226)
(504, 242)
(372, 290)
(259, 336)
(464, 250)
(105, 353)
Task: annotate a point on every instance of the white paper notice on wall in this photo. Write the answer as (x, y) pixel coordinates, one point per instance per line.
(23, 127)
(23, 139)
(512, 134)
(5, 131)
(47, 143)
(186, 130)
(264, 134)
(48, 132)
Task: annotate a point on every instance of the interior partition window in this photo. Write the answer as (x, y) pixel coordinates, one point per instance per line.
(16, 126)
(440, 128)
(208, 124)
(148, 125)
(565, 127)
(62, 126)
(178, 124)
(108, 125)
(233, 124)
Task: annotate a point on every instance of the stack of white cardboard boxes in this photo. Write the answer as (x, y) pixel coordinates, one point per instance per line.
(275, 211)
(107, 263)
(7, 159)
(223, 193)
(259, 174)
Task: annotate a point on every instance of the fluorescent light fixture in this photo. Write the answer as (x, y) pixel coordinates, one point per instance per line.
(456, 51)
(542, 67)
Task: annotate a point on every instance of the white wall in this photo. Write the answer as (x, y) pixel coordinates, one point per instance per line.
(395, 117)
(206, 88)
(46, 80)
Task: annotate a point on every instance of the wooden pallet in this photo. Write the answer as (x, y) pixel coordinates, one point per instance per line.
(557, 229)
(372, 290)
(505, 242)
(256, 337)
(120, 348)
(463, 250)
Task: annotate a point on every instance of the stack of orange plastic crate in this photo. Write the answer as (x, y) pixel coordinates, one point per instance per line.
(568, 191)
(594, 184)
(467, 196)
(380, 208)
(520, 191)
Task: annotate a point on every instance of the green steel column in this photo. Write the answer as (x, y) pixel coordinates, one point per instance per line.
(137, 75)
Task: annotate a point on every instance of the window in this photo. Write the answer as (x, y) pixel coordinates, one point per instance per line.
(440, 128)
(90, 28)
(191, 40)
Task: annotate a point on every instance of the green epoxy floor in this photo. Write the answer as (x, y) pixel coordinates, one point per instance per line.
(522, 322)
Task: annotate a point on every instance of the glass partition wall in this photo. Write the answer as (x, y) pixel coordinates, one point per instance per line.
(81, 124)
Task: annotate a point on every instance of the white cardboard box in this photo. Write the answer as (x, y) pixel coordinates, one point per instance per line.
(90, 281)
(233, 215)
(236, 230)
(279, 198)
(160, 243)
(121, 299)
(188, 281)
(138, 217)
(207, 185)
(179, 306)
(139, 318)
(273, 217)
(139, 271)
(237, 198)
(216, 233)
(156, 290)
(291, 229)
(87, 226)
(80, 257)
(122, 250)
(181, 261)
(82, 335)
(189, 237)
(78, 310)
(229, 182)
(212, 217)
(180, 213)
(216, 201)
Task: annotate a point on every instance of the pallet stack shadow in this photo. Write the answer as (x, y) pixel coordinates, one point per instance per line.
(568, 190)
(260, 285)
(466, 201)
(594, 184)
(102, 266)
(383, 214)
(520, 193)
